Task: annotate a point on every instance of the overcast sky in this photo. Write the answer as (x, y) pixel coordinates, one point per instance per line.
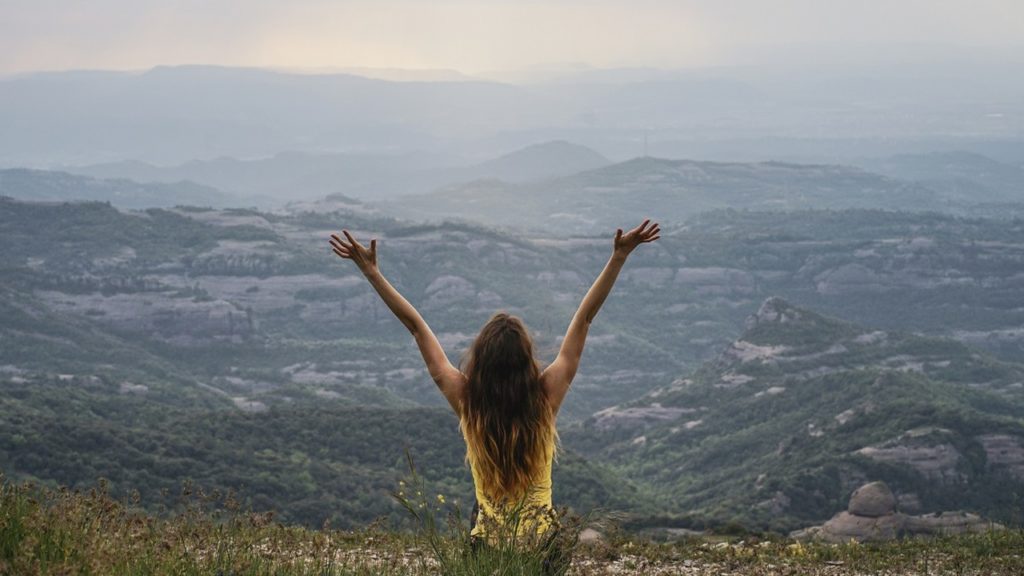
(473, 36)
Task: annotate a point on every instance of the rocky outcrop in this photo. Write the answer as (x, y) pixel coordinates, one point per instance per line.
(161, 315)
(445, 291)
(637, 416)
(772, 310)
(944, 523)
(715, 280)
(851, 278)
(926, 450)
(1004, 451)
(872, 516)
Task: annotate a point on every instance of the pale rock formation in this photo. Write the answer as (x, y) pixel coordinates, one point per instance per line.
(773, 309)
(637, 416)
(1003, 450)
(923, 450)
(871, 516)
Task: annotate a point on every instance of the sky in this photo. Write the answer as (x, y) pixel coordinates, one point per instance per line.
(475, 36)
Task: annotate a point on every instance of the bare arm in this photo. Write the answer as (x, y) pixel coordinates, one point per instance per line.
(447, 377)
(559, 375)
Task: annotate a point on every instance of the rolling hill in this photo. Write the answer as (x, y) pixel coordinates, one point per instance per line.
(801, 409)
(677, 190)
(49, 186)
(292, 176)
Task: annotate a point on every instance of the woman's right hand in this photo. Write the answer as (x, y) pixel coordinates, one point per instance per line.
(365, 259)
(645, 232)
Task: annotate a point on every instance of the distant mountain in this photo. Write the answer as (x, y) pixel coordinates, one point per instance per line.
(538, 162)
(296, 176)
(293, 176)
(170, 115)
(799, 410)
(970, 176)
(402, 74)
(605, 197)
(41, 185)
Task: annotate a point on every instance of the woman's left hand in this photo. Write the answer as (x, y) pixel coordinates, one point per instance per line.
(645, 232)
(365, 259)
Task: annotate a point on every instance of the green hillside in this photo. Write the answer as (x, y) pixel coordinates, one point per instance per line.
(255, 305)
(309, 465)
(801, 409)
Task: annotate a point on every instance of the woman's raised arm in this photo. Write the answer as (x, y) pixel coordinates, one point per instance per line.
(559, 375)
(447, 377)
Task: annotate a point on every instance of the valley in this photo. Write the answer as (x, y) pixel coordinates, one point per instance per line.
(751, 367)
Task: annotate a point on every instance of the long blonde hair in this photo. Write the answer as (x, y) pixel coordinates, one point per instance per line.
(505, 417)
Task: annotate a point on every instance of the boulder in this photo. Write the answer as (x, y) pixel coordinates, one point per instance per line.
(590, 536)
(872, 501)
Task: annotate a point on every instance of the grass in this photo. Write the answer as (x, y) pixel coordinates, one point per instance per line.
(511, 547)
(63, 532)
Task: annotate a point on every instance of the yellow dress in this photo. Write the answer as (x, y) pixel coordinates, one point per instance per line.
(535, 510)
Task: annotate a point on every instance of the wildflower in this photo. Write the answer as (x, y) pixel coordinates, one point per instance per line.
(440, 498)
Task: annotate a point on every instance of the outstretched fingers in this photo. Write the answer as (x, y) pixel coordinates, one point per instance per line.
(337, 241)
(340, 247)
(351, 240)
(648, 231)
(640, 229)
(349, 247)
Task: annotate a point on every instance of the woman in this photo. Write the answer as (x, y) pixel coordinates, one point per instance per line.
(506, 404)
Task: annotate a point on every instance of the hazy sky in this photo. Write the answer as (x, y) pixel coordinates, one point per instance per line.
(472, 36)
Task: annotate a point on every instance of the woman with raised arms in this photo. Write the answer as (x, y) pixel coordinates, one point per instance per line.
(506, 403)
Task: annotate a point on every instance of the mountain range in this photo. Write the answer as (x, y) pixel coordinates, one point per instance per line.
(298, 176)
(173, 114)
(677, 189)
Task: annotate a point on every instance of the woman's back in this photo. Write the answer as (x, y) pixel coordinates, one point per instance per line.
(532, 512)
